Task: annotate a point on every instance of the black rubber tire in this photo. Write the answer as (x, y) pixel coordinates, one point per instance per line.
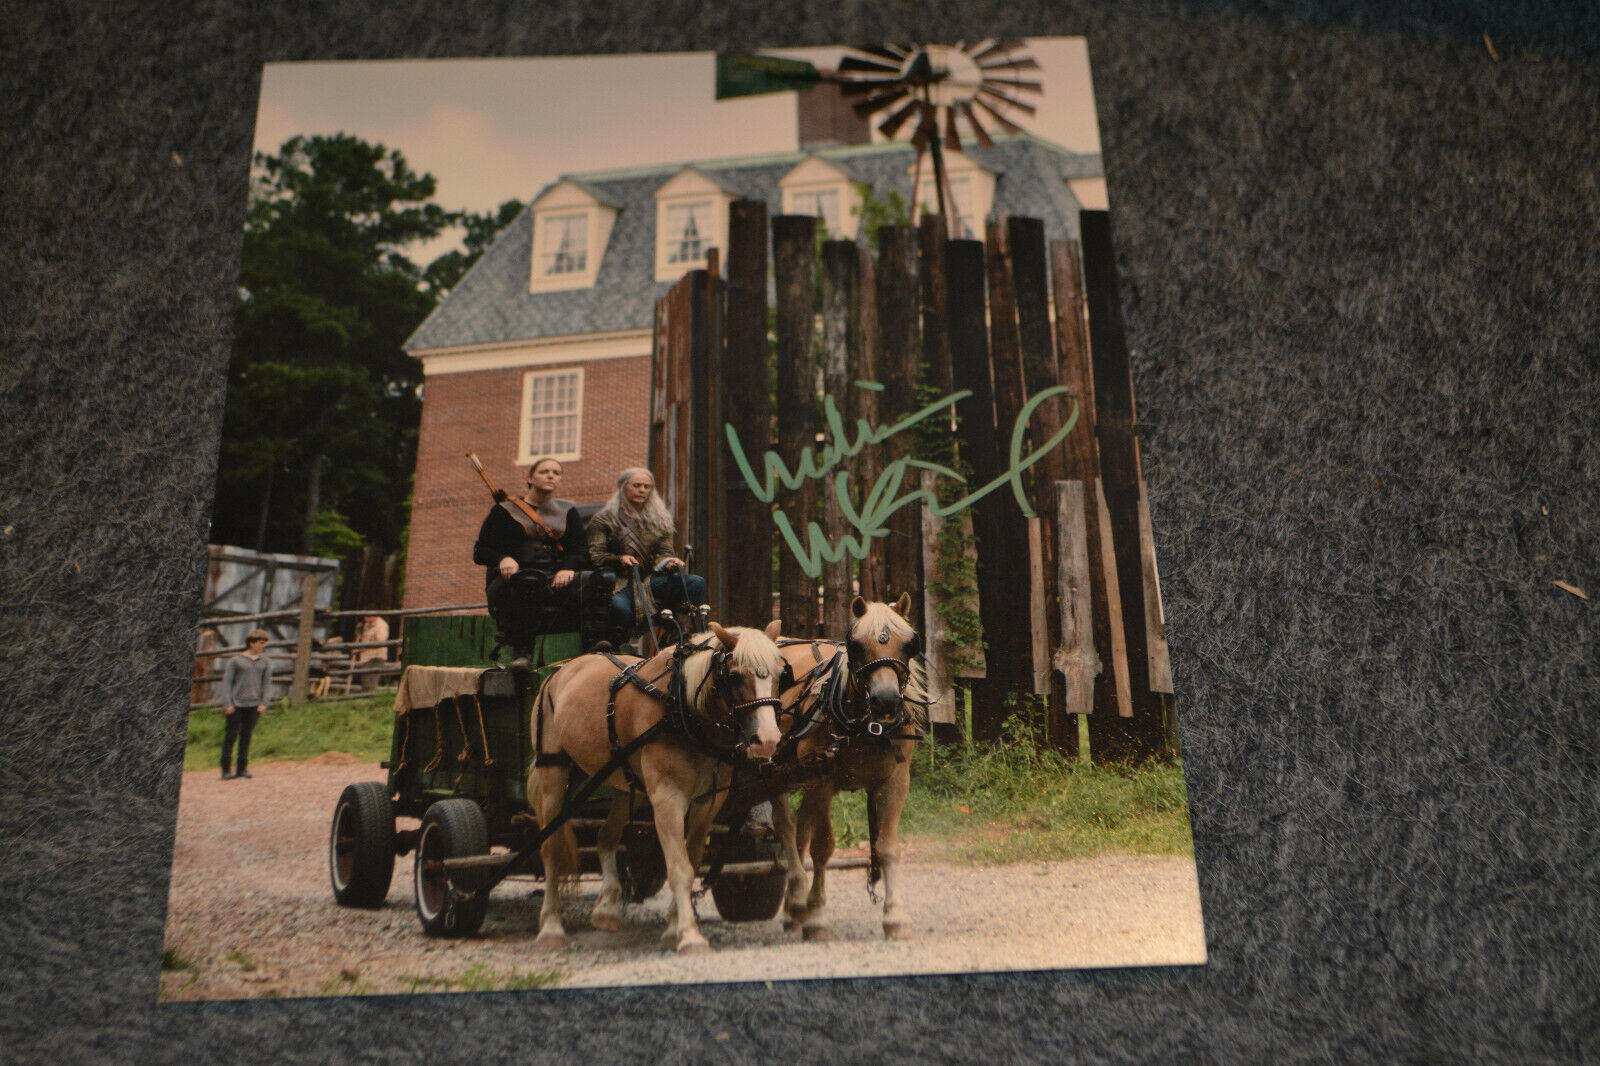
(361, 845)
(641, 864)
(450, 906)
(749, 897)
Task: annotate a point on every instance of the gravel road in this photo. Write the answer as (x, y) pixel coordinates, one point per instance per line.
(251, 914)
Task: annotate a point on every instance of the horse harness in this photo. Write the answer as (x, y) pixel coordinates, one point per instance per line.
(844, 698)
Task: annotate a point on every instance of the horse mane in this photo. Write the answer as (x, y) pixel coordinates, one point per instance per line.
(753, 650)
(878, 615)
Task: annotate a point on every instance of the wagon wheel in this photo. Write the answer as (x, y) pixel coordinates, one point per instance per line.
(643, 867)
(450, 904)
(750, 897)
(361, 845)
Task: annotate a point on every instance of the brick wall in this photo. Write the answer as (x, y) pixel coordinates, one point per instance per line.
(477, 411)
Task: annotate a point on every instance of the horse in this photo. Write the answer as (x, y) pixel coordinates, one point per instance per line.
(673, 720)
(854, 722)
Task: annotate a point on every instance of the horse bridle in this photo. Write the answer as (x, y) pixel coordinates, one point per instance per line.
(722, 681)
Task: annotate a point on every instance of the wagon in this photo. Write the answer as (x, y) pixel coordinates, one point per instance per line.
(458, 762)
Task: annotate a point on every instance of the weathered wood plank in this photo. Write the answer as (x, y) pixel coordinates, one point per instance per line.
(747, 407)
(1082, 459)
(941, 679)
(1075, 658)
(839, 295)
(901, 355)
(1143, 735)
(869, 464)
(1004, 553)
(794, 275)
(935, 290)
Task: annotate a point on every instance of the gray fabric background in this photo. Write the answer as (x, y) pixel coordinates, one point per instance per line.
(1359, 261)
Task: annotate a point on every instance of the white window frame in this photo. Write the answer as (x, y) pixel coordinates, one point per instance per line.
(670, 239)
(814, 176)
(548, 259)
(526, 416)
(566, 200)
(689, 187)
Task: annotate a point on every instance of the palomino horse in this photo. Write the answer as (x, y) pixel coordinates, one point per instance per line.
(861, 737)
(678, 715)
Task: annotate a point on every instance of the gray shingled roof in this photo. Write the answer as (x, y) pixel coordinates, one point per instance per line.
(492, 302)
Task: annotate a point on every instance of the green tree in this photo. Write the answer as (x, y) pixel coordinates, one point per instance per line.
(480, 231)
(323, 402)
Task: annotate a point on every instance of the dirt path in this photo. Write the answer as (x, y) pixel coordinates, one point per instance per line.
(251, 914)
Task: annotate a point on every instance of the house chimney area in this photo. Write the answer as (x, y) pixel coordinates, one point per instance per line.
(826, 118)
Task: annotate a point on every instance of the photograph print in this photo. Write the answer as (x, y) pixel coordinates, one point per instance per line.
(679, 519)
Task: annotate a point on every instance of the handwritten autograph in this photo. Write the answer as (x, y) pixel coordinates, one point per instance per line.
(868, 520)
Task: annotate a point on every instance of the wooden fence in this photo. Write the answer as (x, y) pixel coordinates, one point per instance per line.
(316, 667)
(1069, 600)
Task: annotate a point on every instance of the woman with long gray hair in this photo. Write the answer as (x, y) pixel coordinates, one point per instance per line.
(634, 530)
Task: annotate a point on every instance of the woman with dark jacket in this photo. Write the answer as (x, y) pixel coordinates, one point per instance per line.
(532, 563)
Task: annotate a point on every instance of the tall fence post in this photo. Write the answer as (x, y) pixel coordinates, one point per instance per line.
(748, 409)
(1144, 735)
(969, 362)
(900, 355)
(839, 342)
(301, 686)
(868, 364)
(1083, 464)
(1026, 239)
(794, 274)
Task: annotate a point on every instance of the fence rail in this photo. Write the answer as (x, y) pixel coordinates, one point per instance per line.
(318, 669)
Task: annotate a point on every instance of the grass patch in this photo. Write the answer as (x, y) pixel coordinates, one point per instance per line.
(172, 960)
(244, 961)
(1018, 801)
(478, 979)
(360, 727)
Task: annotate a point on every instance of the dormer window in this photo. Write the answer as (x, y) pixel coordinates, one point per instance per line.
(816, 187)
(571, 224)
(565, 243)
(691, 219)
(687, 228)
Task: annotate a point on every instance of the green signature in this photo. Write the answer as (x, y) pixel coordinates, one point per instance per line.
(869, 518)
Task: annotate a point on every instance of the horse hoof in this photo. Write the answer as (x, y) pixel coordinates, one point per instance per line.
(550, 942)
(790, 925)
(606, 923)
(819, 934)
(694, 947)
(896, 931)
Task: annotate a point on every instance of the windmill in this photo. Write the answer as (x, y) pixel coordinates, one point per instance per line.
(941, 86)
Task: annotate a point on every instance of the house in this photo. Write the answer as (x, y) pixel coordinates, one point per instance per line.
(543, 348)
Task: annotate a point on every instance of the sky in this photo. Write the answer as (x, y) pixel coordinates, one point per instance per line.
(491, 130)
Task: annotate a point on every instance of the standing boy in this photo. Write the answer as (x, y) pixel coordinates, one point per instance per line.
(245, 681)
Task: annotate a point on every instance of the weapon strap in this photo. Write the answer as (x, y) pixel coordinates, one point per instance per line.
(528, 519)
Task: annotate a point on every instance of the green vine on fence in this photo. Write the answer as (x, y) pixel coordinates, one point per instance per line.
(954, 579)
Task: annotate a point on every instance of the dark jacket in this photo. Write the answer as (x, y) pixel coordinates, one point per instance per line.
(501, 535)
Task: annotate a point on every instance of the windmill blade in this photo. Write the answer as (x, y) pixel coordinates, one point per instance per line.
(1018, 104)
(978, 131)
(857, 65)
(1025, 63)
(1013, 83)
(1005, 123)
(1001, 47)
(952, 136)
(869, 107)
(892, 124)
